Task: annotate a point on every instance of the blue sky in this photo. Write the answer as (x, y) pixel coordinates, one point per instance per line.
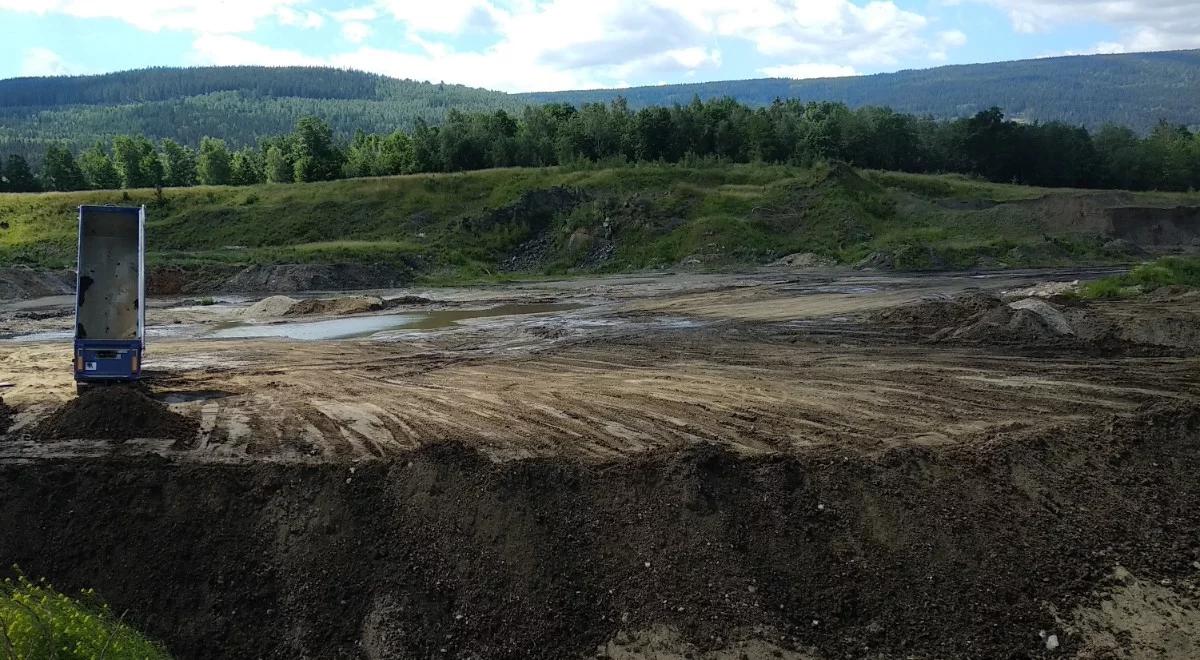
(529, 45)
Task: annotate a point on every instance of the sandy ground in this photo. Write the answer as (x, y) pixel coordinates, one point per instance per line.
(762, 363)
(659, 466)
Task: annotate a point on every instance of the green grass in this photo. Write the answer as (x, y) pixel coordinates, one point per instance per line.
(656, 215)
(1167, 271)
(37, 622)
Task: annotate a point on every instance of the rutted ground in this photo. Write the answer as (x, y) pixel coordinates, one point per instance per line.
(710, 465)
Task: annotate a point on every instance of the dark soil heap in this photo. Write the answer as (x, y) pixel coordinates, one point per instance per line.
(952, 552)
(115, 412)
(6, 415)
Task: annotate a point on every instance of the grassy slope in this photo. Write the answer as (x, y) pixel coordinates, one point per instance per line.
(1166, 272)
(654, 215)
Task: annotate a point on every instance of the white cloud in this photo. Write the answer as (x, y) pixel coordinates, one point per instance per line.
(560, 44)
(305, 19)
(227, 49)
(1143, 24)
(953, 38)
(876, 32)
(43, 62)
(355, 31)
(354, 14)
(939, 51)
(444, 16)
(808, 70)
(206, 16)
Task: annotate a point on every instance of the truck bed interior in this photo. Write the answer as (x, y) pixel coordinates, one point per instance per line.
(108, 275)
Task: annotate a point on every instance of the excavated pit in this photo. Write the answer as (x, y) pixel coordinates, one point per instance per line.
(958, 551)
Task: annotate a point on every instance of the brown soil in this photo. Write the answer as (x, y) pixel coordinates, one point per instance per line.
(115, 412)
(1162, 324)
(337, 306)
(703, 466)
(952, 552)
(22, 283)
(6, 415)
(278, 278)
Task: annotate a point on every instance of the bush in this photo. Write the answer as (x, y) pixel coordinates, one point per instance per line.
(38, 622)
(1168, 271)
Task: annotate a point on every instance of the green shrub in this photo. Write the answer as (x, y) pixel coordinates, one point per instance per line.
(1168, 271)
(37, 622)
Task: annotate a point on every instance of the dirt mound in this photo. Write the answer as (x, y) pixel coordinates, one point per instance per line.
(25, 283)
(277, 306)
(935, 314)
(1036, 323)
(966, 551)
(270, 307)
(6, 415)
(115, 412)
(335, 306)
(284, 278)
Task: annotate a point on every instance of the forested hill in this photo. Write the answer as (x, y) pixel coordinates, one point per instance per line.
(244, 104)
(171, 83)
(241, 104)
(1135, 90)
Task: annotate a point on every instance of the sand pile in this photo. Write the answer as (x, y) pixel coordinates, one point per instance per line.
(269, 307)
(338, 306)
(277, 306)
(115, 412)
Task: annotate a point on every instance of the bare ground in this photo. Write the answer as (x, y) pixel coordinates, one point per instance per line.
(704, 466)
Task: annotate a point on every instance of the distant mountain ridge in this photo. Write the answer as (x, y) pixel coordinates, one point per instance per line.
(1135, 90)
(245, 103)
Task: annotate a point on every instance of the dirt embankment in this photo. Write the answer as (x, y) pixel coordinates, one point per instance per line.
(952, 552)
(1170, 322)
(1155, 227)
(25, 283)
(278, 278)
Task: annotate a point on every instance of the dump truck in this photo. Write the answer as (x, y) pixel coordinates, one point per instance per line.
(110, 309)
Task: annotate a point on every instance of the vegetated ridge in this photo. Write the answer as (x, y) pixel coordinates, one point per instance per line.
(593, 219)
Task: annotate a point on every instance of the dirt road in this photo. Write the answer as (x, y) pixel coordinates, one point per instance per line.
(658, 464)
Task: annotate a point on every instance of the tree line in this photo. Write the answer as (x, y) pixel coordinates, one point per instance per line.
(987, 145)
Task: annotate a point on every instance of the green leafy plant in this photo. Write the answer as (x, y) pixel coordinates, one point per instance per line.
(37, 622)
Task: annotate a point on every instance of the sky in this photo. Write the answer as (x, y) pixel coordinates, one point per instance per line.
(539, 45)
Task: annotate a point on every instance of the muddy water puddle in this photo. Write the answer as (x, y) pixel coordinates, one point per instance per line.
(361, 327)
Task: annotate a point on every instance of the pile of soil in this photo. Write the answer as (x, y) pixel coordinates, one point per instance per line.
(270, 307)
(935, 314)
(1169, 325)
(277, 306)
(335, 306)
(115, 412)
(6, 415)
(977, 550)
